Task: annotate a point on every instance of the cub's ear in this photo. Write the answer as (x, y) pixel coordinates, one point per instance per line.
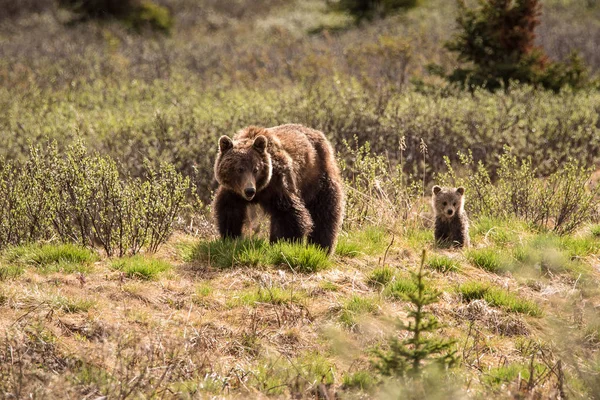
(225, 144)
(260, 143)
(460, 190)
(436, 189)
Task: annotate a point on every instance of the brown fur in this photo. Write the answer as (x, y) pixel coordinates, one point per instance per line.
(291, 172)
(451, 222)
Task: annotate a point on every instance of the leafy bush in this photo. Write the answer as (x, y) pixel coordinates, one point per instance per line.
(497, 39)
(562, 202)
(83, 198)
(370, 9)
(137, 14)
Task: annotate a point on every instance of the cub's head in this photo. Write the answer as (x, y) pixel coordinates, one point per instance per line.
(243, 166)
(447, 202)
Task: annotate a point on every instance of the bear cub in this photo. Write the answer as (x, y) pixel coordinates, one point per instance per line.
(451, 222)
(290, 171)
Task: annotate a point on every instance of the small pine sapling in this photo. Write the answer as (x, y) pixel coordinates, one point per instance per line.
(410, 355)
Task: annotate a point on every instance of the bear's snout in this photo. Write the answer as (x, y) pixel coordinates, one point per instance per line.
(249, 192)
(450, 212)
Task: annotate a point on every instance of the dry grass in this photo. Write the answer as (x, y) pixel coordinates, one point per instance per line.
(207, 331)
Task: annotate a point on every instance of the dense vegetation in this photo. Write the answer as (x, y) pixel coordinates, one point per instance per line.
(112, 282)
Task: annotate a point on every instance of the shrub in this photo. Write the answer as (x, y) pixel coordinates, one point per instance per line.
(562, 202)
(497, 39)
(137, 14)
(370, 9)
(83, 198)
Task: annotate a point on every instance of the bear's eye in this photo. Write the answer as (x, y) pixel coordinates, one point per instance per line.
(240, 170)
(454, 204)
(256, 169)
(445, 204)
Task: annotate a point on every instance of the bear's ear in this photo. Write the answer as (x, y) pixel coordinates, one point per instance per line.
(460, 190)
(436, 189)
(260, 143)
(225, 144)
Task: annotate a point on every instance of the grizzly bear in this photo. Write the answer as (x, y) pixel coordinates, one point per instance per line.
(451, 222)
(291, 172)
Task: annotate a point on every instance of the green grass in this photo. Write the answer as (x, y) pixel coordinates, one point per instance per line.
(400, 287)
(443, 264)
(495, 377)
(202, 292)
(381, 276)
(298, 257)
(230, 253)
(11, 271)
(550, 254)
(595, 231)
(140, 267)
(46, 258)
(499, 231)
(498, 297)
(488, 259)
(256, 252)
(274, 295)
(362, 380)
(369, 240)
(355, 307)
(73, 305)
(329, 286)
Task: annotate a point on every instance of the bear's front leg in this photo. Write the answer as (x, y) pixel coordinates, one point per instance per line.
(230, 213)
(290, 220)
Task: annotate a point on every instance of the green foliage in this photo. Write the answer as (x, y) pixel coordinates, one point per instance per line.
(400, 288)
(410, 355)
(369, 9)
(562, 202)
(141, 267)
(299, 257)
(443, 264)
(379, 191)
(380, 277)
(489, 259)
(137, 14)
(73, 305)
(362, 380)
(10, 271)
(355, 307)
(83, 198)
(499, 298)
(497, 40)
(230, 253)
(366, 240)
(52, 257)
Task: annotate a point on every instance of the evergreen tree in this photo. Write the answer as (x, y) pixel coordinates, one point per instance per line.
(496, 40)
(408, 356)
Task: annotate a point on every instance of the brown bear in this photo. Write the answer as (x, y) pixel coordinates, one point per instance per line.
(451, 222)
(291, 172)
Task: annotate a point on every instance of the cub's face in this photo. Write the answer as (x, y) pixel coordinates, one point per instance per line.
(447, 202)
(243, 166)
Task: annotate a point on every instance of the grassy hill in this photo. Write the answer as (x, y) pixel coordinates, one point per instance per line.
(202, 318)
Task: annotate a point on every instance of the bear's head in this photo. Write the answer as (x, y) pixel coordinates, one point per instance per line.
(447, 202)
(243, 166)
